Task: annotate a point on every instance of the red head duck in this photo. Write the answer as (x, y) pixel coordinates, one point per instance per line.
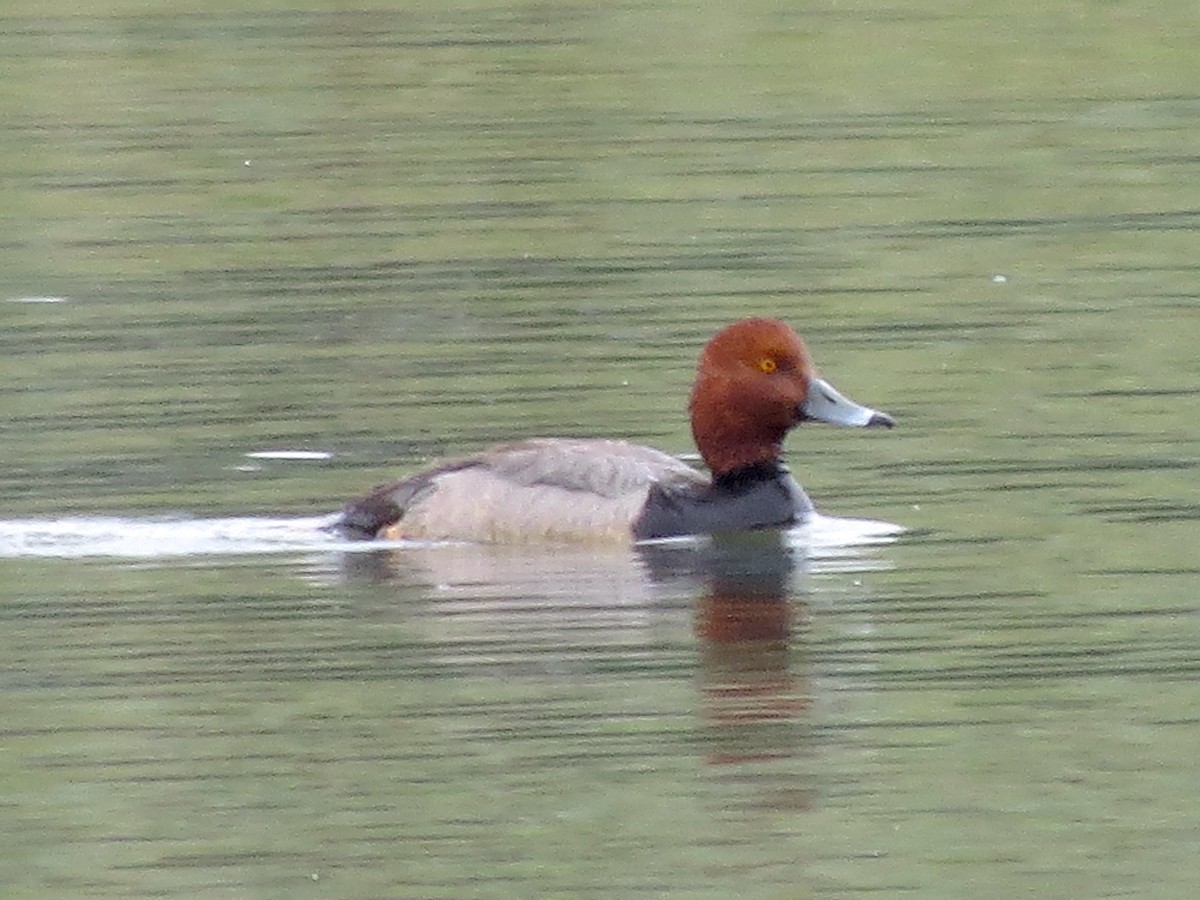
(755, 382)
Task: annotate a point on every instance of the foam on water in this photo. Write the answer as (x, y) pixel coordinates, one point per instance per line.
(133, 538)
(150, 538)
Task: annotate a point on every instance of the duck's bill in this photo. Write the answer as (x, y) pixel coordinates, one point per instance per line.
(825, 404)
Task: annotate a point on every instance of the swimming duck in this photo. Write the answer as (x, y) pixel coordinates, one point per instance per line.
(754, 383)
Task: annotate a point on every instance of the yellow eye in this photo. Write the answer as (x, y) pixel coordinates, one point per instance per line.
(767, 365)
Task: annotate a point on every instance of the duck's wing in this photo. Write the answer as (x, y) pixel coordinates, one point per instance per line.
(602, 468)
(544, 487)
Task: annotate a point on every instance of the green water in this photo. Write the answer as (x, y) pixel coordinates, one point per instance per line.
(394, 232)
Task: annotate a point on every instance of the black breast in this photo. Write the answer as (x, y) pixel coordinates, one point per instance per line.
(762, 496)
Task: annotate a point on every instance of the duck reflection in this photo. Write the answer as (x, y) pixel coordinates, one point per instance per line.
(746, 612)
(734, 597)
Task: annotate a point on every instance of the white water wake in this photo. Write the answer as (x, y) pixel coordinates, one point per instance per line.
(159, 538)
(151, 538)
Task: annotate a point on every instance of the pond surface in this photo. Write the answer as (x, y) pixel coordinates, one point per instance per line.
(257, 257)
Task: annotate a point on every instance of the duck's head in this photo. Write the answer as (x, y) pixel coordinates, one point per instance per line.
(755, 382)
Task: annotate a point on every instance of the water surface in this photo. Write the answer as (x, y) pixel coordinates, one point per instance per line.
(375, 236)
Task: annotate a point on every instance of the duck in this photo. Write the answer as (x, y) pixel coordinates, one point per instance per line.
(755, 382)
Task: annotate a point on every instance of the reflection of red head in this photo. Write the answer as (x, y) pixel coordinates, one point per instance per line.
(747, 679)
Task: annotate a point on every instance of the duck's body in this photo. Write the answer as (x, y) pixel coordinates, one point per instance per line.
(540, 489)
(754, 383)
(573, 489)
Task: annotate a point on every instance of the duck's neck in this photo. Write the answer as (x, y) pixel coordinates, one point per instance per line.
(732, 429)
(766, 470)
